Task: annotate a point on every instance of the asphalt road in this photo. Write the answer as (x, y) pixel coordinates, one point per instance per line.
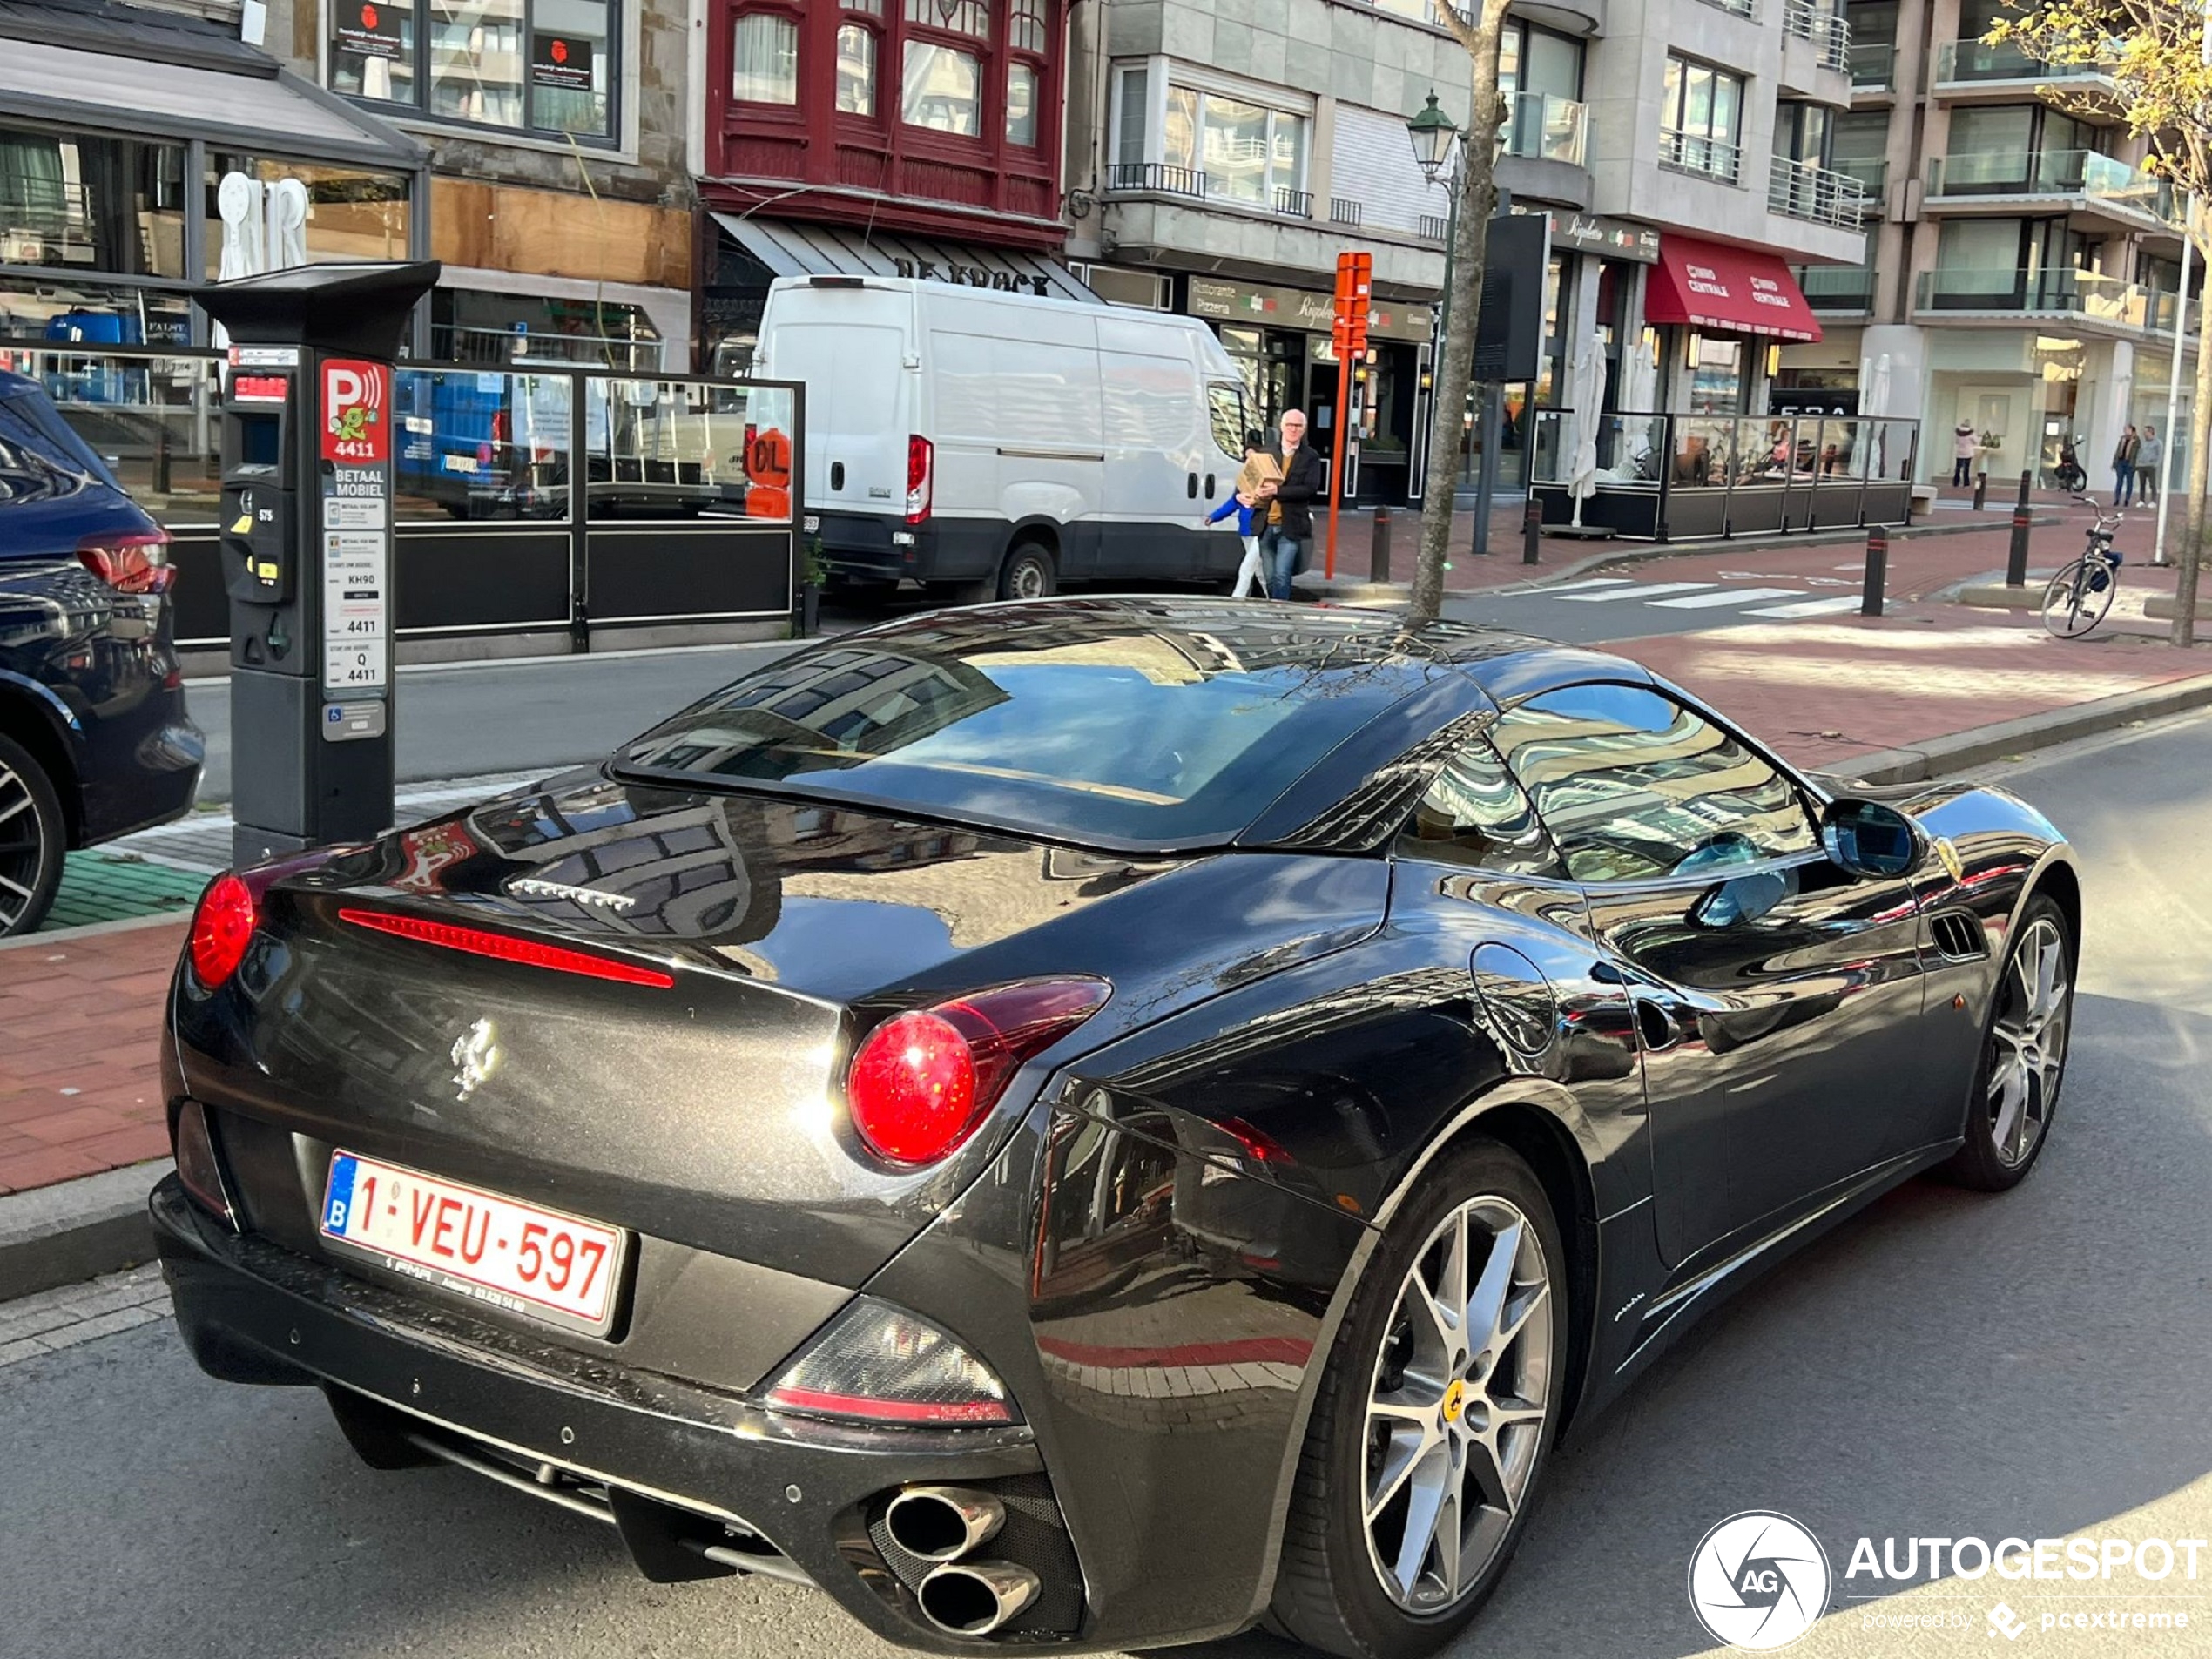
(1946, 1365)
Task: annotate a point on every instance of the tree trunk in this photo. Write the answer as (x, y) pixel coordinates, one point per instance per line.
(1470, 246)
(2193, 516)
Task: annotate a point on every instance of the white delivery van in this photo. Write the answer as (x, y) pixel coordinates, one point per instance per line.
(995, 445)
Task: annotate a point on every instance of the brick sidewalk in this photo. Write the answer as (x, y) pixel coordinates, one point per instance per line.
(80, 1024)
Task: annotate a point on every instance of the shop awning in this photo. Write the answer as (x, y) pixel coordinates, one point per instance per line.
(790, 249)
(248, 107)
(1709, 286)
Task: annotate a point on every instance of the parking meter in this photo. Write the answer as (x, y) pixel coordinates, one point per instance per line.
(305, 543)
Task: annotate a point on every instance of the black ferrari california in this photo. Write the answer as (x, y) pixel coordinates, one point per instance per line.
(1089, 1124)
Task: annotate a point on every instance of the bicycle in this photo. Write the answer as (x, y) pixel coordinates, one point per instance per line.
(2080, 595)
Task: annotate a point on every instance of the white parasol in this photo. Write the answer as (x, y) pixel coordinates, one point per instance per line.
(1873, 404)
(1639, 400)
(1585, 391)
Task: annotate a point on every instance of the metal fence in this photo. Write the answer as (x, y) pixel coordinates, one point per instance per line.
(529, 498)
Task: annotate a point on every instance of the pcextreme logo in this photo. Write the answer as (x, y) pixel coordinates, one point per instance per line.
(355, 428)
(1758, 1580)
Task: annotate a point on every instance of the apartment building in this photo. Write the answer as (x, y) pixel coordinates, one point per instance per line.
(1220, 155)
(2021, 269)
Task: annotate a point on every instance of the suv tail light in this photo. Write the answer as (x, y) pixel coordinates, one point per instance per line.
(923, 1080)
(134, 561)
(880, 1364)
(922, 465)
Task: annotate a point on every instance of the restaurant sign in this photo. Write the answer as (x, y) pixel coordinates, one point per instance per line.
(1265, 306)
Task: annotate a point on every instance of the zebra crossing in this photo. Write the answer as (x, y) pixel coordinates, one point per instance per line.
(1702, 595)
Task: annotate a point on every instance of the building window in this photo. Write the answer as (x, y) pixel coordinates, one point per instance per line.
(1021, 105)
(767, 59)
(526, 65)
(855, 70)
(941, 89)
(971, 17)
(1532, 58)
(1025, 26)
(1698, 115)
(1214, 144)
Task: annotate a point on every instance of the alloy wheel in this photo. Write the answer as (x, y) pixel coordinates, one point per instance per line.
(23, 850)
(1456, 1405)
(2027, 1042)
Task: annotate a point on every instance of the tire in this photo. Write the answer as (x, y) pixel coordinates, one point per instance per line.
(1998, 1150)
(2077, 599)
(1329, 1590)
(33, 836)
(1027, 572)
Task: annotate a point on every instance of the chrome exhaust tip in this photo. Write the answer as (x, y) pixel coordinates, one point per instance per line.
(942, 1523)
(976, 1598)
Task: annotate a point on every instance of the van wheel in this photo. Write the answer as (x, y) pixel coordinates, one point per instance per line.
(1029, 573)
(33, 836)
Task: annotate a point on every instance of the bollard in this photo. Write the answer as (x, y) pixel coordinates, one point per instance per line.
(1378, 549)
(1532, 532)
(161, 462)
(2027, 479)
(1877, 570)
(2016, 559)
(1981, 490)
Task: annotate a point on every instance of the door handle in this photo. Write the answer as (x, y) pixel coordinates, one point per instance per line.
(1658, 1024)
(1209, 486)
(1193, 486)
(836, 474)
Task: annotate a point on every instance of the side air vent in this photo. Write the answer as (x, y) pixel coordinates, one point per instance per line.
(1958, 936)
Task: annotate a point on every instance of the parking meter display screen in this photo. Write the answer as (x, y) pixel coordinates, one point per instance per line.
(260, 439)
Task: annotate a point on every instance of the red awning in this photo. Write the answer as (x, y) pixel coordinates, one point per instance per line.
(1711, 287)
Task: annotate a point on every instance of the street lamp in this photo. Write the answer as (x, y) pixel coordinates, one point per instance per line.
(1432, 131)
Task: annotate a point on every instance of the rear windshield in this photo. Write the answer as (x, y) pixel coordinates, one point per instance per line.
(1152, 737)
(28, 419)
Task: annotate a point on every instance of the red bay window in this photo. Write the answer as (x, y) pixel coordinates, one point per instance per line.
(945, 113)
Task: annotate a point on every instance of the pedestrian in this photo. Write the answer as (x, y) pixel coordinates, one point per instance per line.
(2150, 467)
(1243, 500)
(1290, 509)
(2123, 466)
(1965, 446)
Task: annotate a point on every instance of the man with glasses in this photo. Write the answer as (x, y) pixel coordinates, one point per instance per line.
(1288, 502)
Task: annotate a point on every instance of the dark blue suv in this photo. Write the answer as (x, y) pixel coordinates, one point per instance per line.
(94, 741)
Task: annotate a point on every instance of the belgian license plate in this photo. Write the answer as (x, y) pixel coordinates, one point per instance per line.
(515, 1256)
(812, 523)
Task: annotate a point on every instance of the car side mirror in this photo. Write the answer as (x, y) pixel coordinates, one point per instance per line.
(1867, 837)
(1746, 898)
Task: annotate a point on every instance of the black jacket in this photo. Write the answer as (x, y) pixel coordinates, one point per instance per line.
(1302, 485)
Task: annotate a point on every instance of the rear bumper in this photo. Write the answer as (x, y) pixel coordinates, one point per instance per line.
(252, 1312)
(871, 547)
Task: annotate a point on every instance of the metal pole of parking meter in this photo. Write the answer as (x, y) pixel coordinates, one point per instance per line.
(309, 410)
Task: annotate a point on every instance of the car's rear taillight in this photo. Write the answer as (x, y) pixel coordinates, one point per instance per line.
(132, 561)
(923, 1080)
(922, 466)
(876, 1363)
(221, 929)
(224, 923)
(197, 1168)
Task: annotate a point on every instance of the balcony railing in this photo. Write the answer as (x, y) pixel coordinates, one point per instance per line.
(1967, 61)
(2051, 172)
(1837, 288)
(1343, 212)
(1156, 177)
(2083, 295)
(1828, 33)
(1695, 152)
(1873, 66)
(1544, 128)
(1872, 173)
(1432, 228)
(1799, 190)
(1295, 204)
(1741, 7)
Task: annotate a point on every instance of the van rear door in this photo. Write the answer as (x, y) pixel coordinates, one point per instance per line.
(848, 345)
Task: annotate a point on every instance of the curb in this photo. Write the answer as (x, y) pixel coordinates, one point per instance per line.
(92, 930)
(76, 1230)
(2010, 738)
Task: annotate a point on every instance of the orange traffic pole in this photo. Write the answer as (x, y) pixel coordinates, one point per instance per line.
(1336, 464)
